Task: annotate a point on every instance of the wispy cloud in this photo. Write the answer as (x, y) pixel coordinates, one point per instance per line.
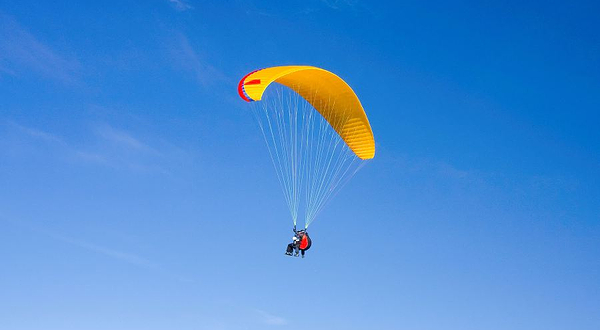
(129, 258)
(108, 146)
(119, 148)
(337, 4)
(22, 52)
(37, 133)
(91, 157)
(122, 138)
(186, 58)
(435, 168)
(180, 5)
(118, 255)
(270, 319)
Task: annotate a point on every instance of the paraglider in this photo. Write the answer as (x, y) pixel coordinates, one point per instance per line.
(293, 247)
(301, 242)
(317, 134)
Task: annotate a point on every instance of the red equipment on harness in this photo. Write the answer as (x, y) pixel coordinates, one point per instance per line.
(305, 242)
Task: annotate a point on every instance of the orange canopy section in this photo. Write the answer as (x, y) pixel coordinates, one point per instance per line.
(327, 93)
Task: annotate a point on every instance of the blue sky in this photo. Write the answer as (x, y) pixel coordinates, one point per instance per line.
(136, 191)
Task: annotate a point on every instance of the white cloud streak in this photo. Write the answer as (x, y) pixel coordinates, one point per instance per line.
(112, 147)
(22, 52)
(122, 138)
(125, 257)
(180, 5)
(129, 258)
(36, 133)
(185, 57)
(336, 4)
(270, 319)
(115, 254)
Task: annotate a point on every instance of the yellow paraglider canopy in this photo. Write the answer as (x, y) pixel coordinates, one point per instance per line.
(327, 93)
